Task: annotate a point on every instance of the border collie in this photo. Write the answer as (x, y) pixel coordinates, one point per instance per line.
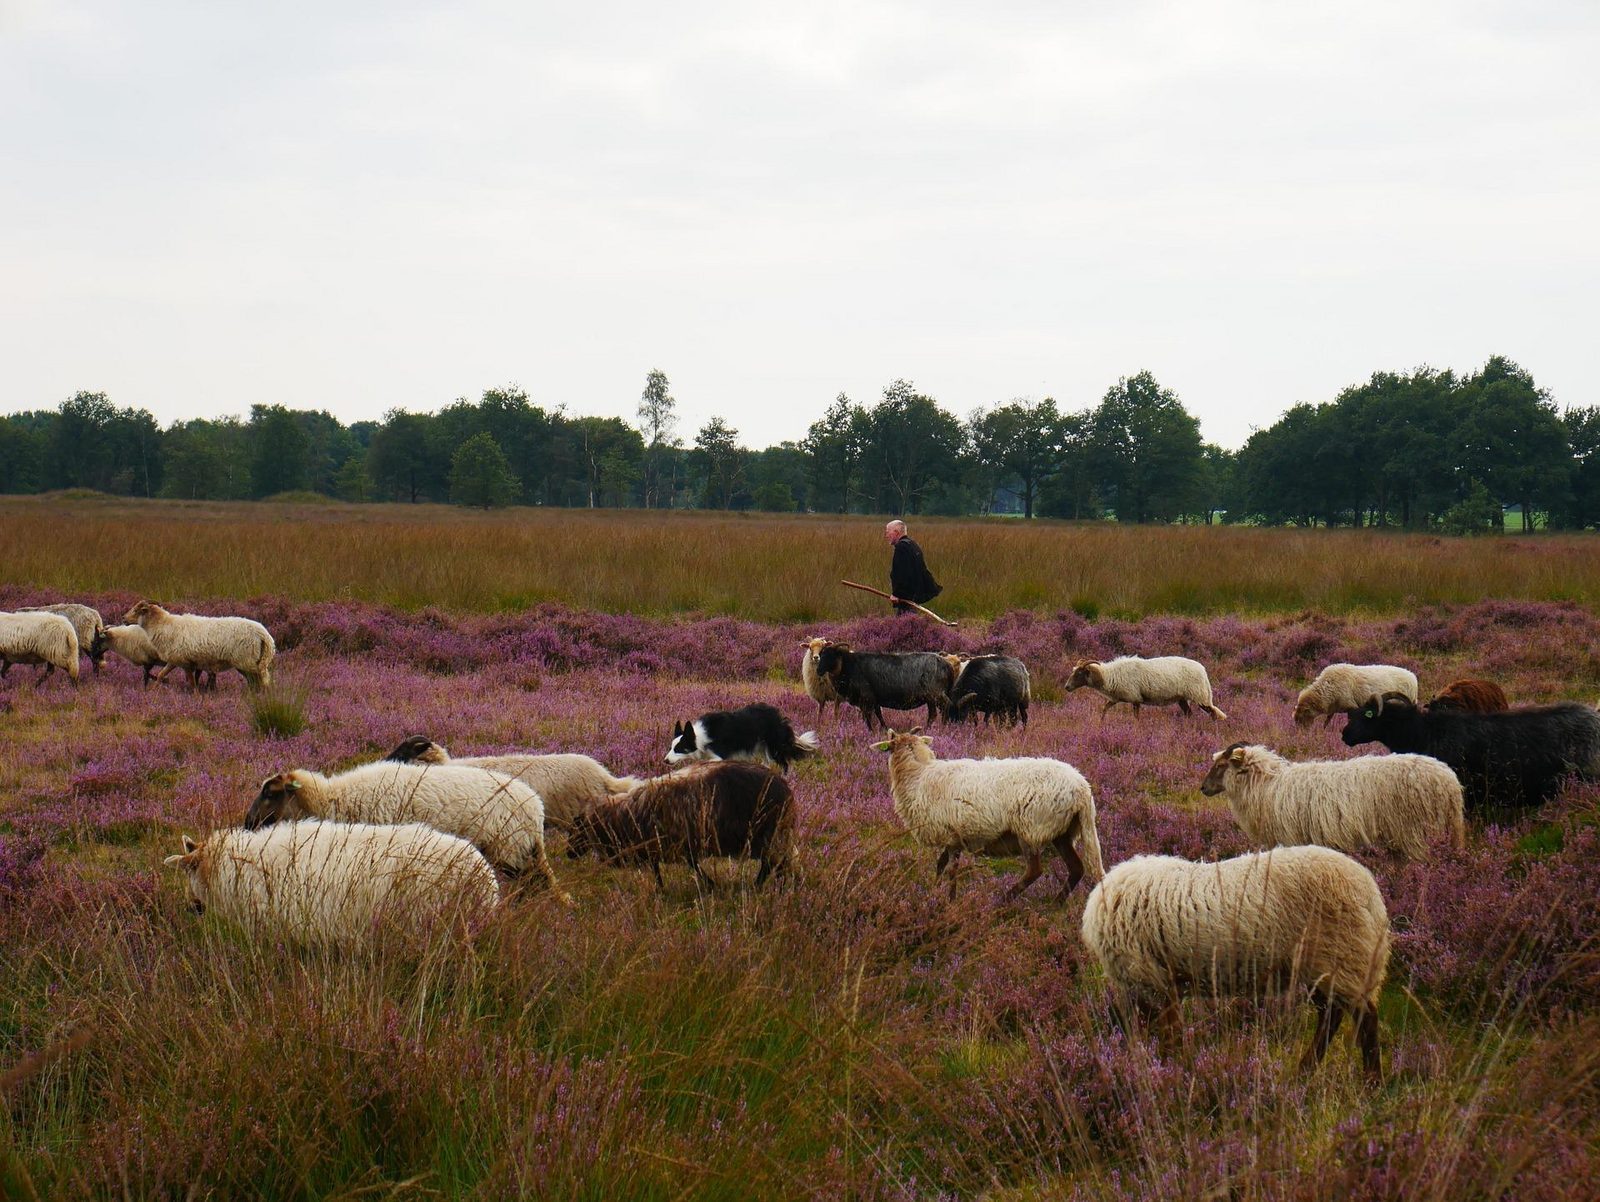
(756, 732)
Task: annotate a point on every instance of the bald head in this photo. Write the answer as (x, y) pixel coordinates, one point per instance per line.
(894, 531)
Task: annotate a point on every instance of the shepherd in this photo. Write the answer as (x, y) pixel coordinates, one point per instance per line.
(910, 582)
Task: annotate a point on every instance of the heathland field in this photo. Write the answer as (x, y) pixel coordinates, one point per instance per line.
(755, 566)
(848, 1033)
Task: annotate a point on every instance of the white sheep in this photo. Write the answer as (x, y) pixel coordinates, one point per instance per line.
(994, 807)
(1135, 681)
(1294, 917)
(87, 624)
(1340, 687)
(134, 645)
(503, 818)
(567, 784)
(38, 638)
(337, 883)
(1398, 802)
(818, 687)
(199, 644)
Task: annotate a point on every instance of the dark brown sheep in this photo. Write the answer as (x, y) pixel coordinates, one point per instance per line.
(727, 808)
(1474, 696)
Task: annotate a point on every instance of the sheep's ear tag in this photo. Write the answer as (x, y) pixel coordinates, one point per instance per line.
(1369, 713)
(189, 845)
(883, 746)
(293, 784)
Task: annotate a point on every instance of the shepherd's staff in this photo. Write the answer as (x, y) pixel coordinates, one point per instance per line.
(867, 588)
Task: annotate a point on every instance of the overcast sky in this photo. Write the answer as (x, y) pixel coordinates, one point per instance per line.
(359, 206)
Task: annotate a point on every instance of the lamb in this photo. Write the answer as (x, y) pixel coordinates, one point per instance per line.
(133, 645)
(1475, 696)
(1341, 687)
(1294, 917)
(723, 808)
(901, 680)
(336, 883)
(567, 784)
(503, 818)
(993, 807)
(993, 685)
(1398, 802)
(199, 644)
(38, 638)
(1135, 681)
(86, 623)
(818, 687)
(1509, 759)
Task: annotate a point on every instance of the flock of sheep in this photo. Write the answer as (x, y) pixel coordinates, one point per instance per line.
(330, 858)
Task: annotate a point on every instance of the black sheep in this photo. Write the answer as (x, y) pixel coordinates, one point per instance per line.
(1506, 759)
(994, 686)
(901, 680)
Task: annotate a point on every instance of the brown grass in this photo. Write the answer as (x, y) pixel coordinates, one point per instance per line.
(756, 566)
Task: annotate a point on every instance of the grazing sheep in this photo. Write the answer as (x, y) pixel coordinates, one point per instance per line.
(337, 883)
(1294, 917)
(818, 687)
(724, 808)
(1475, 696)
(38, 638)
(87, 624)
(1508, 759)
(133, 645)
(901, 680)
(1398, 802)
(993, 807)
(567, 784)
(992, 685)
(199, 644)
(1341, 687)
(1135, 681)
(503, 818)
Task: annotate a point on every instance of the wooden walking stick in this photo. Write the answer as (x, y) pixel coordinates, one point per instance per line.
(922, 609)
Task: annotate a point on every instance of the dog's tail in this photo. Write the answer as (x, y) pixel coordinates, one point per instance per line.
(807, 744)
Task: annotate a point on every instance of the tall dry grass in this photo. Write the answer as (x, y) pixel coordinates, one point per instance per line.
(762, 567)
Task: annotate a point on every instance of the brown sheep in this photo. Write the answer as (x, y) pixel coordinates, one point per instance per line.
(1475, 696)
(725, 808)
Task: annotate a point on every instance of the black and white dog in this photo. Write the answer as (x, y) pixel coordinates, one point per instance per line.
(756, 732)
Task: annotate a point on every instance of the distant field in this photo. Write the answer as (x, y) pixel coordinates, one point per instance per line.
(762, 567)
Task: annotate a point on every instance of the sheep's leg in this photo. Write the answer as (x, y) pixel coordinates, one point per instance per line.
(1135, 709)
(542, 869)
(1183, 704)
(1327, 721)
(1367, 1037)
(770, 867)
(700, 874)
(1107, 709)
(948, 856)
(1329, 1015)
(5, 666)
(1070, 855)
(1034, 870)
(49, 670)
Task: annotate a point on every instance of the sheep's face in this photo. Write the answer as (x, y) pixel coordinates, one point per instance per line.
(1086, 674)
(1304, 710)
(278, 801)
(831, 659)
(137, 615)
(815, 647)
(1221, 763)
(1375, 720)
(418, 749)
(907, 742)
(189, 861)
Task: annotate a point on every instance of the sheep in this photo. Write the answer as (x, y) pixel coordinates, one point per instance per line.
(337, 883)
(901, 680)
(567, 784)
(818, 687)
(1135, 681)
(722, 808)
(133, 645)
(200, 644)
(1294, 917)
(1476, 696)
(1398, 802)
(38, 638)
(86, 623)
(1341, 687)
(1513, 758)
(993, 685)
(993, 807)
(503, 818)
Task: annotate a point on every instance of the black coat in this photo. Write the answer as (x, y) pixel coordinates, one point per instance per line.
(909, 578)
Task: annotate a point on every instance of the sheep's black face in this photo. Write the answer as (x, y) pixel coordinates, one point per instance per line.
(411, 749)
(830, 661)
(1361, 726)
(276, 796)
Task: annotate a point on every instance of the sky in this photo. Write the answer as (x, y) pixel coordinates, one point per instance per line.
(363, 206)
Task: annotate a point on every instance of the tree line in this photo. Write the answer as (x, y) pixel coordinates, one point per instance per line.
(1427, 449)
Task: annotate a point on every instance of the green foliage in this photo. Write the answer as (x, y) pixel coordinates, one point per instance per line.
(351, 482)
(1146, 448)
(480, 475)
(278, 712)
(720, 461)
(909, 445)
(279, 451)
(658, 422)
(1477, 513)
